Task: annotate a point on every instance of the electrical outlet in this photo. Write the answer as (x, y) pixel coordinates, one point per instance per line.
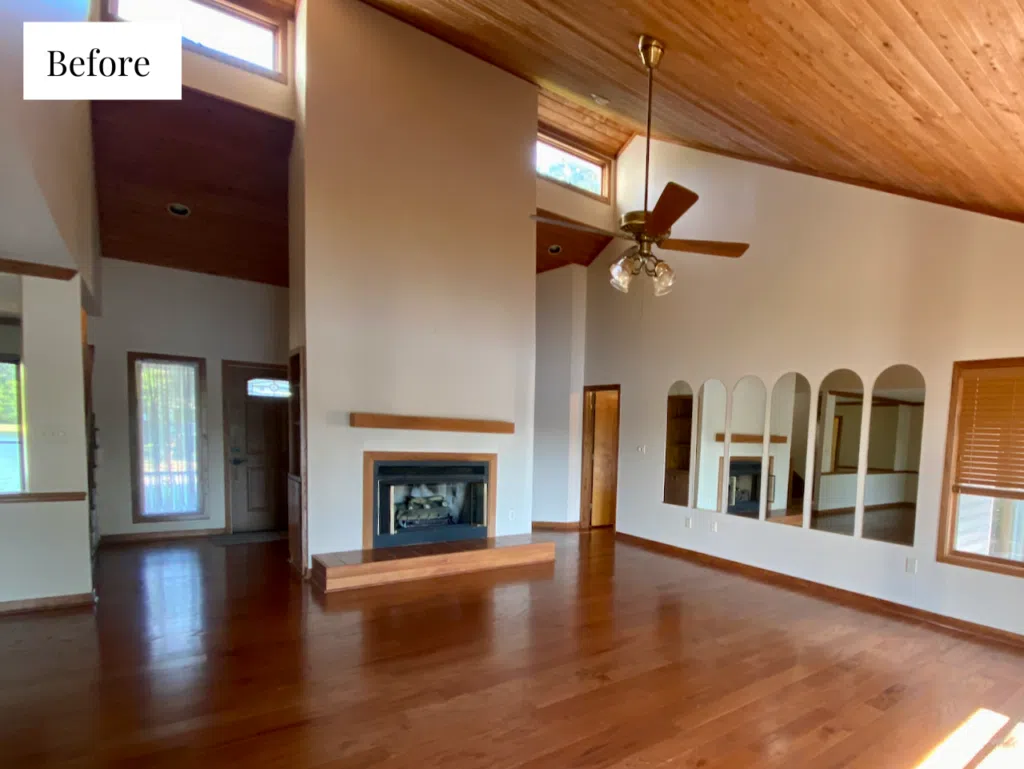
(714, 527)
(511, 515)
(688, 522)
(911, 566)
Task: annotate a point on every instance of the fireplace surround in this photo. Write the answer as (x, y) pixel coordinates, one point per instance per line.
(417, 498)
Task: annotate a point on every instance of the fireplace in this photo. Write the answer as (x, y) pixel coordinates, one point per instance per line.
(745, 487)
(430, 499)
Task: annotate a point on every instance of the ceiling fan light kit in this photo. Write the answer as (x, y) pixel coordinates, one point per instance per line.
(649, 228)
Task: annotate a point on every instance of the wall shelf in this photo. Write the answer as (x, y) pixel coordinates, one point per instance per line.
(442, 424)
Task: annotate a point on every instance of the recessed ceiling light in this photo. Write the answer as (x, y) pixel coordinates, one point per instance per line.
(599, 100)
(178, 209)
(554, 250)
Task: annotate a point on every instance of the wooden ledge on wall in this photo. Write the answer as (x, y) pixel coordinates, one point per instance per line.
(749, 438)
(43, 496)
(442, 424)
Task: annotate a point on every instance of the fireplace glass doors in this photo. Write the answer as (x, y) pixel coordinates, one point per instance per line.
(429, 501)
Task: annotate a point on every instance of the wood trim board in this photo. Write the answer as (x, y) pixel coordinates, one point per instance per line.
(34, 270)
(50, 603)
(441, 424)
(158, 536)
(749, 438)
(43, 496)
(835, 594)
(556, 526)
(369, 457)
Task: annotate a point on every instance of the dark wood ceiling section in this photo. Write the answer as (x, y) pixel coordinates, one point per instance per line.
(227, 162)
(576, 247)
(565, 118)
(919, 97)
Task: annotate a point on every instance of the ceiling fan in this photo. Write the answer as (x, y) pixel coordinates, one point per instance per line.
(652, 228)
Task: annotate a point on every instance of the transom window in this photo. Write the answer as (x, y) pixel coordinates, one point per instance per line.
(268, 388)
(983, 512)
(567, 165)
(214, 27)
(168, 442)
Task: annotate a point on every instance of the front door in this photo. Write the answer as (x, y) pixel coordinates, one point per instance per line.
(256, 446)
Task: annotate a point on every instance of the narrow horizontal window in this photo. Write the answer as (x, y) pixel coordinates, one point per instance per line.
(212, 26)
(268, 388)
(560, 163)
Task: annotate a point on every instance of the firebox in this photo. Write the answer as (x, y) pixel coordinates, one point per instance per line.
(429, 501)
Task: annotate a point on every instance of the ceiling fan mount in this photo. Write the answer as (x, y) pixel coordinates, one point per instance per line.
(649, 228)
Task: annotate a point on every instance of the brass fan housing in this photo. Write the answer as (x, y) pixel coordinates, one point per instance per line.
(633, 222)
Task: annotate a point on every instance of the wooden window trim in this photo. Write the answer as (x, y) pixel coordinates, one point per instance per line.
(948, 505)
(591, 157)
(261, 12)
(134, 446)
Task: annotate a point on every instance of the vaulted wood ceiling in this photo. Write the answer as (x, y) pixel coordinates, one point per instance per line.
(227, 162)
(920, 97)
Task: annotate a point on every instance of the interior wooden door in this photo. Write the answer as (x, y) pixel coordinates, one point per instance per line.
(606, 458)
(256, 449)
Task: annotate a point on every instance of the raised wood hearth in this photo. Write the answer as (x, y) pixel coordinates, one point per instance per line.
(383, 566)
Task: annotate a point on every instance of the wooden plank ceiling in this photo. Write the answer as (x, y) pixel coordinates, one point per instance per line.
(918, 97)
(227, 162)
(558, 247)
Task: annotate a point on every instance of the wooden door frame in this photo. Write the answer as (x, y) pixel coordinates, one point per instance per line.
(225, 366)
(587, 470)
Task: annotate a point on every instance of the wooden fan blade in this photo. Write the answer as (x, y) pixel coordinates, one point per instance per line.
(675, 201)
(710, 247)
(578, 226)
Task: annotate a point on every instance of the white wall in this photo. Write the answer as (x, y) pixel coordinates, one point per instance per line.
(913, 283)
(47, 198)
(159, 310)
(238, 85)
(44, 546)
(420, 257)
(577, 206)
(558, 413)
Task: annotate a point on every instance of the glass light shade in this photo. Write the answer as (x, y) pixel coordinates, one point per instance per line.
(664, 278)
(623, 269)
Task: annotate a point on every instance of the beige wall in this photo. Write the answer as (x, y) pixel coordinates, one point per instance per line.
(174, 312)
(836, 277)
(419, 256)
(558, 409)
(44, 547)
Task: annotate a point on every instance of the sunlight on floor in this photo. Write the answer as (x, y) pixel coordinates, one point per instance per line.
(960, 747)
(1009, 754)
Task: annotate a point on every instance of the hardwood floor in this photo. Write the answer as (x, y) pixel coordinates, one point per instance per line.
(206, 656)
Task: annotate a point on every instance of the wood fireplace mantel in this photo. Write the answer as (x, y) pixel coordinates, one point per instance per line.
(442, 424)
(369, 457)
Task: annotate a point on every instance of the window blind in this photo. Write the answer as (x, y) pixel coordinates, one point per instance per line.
(990, 433)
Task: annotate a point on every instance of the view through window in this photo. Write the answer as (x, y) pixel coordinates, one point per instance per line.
(569, 168)
(210, 27)
(12, 477)
(168, 437)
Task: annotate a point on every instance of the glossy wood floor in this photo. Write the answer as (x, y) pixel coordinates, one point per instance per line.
(206, 656)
